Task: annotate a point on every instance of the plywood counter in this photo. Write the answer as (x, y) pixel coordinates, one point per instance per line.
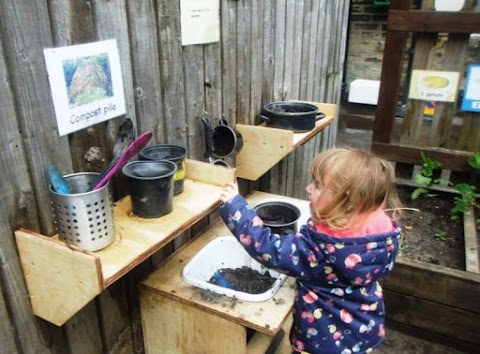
(178, 317)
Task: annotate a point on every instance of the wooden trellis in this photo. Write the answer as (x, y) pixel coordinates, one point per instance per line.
(446, 136)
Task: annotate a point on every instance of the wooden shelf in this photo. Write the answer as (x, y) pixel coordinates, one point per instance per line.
(264, 147)
(62, 279)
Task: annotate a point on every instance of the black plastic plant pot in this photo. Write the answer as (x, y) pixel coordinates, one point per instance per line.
(174, 153)
(280, 217)
(151, 187)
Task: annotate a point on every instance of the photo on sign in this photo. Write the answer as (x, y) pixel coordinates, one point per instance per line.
(439, 86)
(88, 79)
(86, 84)
(471, 97)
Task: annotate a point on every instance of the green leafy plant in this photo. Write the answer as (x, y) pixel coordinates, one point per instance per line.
(426, 177)
(467, 194)
(468, 197)
(474, 161)
(441, 236)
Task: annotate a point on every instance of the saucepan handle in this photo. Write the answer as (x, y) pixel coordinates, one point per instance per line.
(262, 117)
(208, 137)
(319, 116)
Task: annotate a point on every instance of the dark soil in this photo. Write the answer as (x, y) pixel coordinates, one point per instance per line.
(429, 234)
(244, 279)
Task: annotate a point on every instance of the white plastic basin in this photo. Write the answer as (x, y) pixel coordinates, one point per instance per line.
(226, 252)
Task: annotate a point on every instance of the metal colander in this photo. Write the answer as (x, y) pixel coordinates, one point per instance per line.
(82, 218)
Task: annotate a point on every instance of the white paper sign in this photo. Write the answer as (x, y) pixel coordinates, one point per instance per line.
(200, 21)
(434, 85)
(86, 84)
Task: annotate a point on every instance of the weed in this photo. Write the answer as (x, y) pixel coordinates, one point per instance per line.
(441, 236)
(426, 178)
(468, 197)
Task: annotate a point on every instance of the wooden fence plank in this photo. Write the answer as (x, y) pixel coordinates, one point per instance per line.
(312, 51)
(115, 317)
(469, 138)
(422, 60)
(229, 58)
(257, 61)
(268, 50)
(289, 48)
(146, 65)
(320, 73)
(244, 61)
(173, 85)
(83, 331)
(454, 60)
(114, 24)
(194, 69)
(7, 339)
(213, 88)
(279, 90)
(296, 51)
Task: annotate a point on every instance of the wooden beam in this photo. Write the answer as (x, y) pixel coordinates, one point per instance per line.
(449, 321)
(433, 21)
(420, 279)
(454, 160)
(390, 81)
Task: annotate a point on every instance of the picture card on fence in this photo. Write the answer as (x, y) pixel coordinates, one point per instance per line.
(86, 84)
(200, 21)
(434, 85)
(471, 97)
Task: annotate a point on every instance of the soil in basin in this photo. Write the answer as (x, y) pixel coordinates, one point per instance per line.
(244, 279)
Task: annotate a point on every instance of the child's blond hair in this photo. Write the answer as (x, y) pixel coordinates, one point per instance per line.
(359, 181)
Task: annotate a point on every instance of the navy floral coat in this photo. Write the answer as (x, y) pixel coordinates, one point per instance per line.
(338, 300)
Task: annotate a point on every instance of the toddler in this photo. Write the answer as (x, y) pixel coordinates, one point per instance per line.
(338, 257)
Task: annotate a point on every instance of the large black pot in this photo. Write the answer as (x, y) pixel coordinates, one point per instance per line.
(281, 217)
(296, 116)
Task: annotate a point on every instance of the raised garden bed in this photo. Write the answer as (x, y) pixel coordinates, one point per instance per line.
(429, 287)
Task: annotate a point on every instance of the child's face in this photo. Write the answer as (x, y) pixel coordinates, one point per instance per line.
(318, 195)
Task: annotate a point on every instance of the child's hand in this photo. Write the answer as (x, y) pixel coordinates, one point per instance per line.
(229, 191)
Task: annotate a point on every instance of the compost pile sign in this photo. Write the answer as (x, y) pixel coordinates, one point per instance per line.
(86, 84)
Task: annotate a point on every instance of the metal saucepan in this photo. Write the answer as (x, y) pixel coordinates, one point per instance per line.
(222, 140)
(296, 116)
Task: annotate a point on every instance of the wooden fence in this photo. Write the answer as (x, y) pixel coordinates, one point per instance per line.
(269, 50)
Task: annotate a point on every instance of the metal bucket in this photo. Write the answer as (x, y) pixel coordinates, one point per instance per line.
(84, 219)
